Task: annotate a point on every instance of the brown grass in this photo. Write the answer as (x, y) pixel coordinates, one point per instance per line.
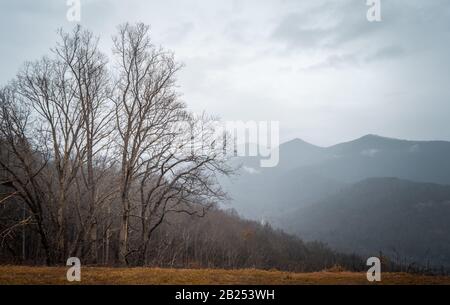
(152, 276)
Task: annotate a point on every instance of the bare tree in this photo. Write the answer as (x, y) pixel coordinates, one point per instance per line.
(87, 67)
(49, 88)
(157, 140)
(24, 168)
(145, 83)
(181, 176)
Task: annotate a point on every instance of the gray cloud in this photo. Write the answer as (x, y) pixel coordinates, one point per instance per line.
(335, 61)
(389, 52)
(317, 66)
(329, 24)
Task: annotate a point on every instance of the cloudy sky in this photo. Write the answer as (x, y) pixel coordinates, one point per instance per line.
(319, 67)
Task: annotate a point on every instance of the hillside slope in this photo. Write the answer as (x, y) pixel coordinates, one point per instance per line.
(406, 220)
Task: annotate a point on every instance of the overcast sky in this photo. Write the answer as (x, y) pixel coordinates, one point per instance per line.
(319, 67)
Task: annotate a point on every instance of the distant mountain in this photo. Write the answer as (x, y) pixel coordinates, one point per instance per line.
(267, 193)
(406, 220)
(307, 173)
(323, 193)
(375, 156)
(297, 153)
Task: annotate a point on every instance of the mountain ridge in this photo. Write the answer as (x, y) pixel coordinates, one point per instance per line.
(369, 136)
(308, 175)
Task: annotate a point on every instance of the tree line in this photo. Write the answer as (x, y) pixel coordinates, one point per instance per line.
(97, 151)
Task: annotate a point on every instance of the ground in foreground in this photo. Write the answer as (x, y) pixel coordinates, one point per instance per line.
(152, 276)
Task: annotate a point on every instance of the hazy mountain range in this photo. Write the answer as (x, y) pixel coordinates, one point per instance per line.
(364, 196)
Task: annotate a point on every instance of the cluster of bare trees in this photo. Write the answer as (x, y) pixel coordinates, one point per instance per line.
(223, 240)
(95, 154)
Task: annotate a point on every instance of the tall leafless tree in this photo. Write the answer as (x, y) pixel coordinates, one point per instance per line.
(156, 148)
(87, 67)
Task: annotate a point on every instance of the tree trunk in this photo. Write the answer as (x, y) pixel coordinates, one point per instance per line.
(123, 236)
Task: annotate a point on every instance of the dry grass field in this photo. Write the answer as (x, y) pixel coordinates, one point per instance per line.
(156, 276)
